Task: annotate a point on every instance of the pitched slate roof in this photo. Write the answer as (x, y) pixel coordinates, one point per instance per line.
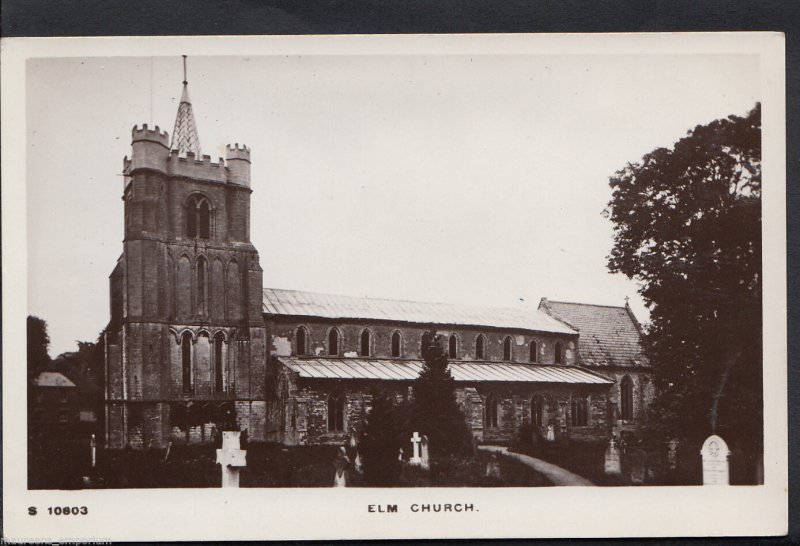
(297, 303)
(52, 379)
(462, 370)
(609, 336)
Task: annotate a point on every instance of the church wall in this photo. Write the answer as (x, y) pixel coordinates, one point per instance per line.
(643, 394)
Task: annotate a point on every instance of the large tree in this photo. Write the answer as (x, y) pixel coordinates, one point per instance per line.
(687, 224)
(38, 345)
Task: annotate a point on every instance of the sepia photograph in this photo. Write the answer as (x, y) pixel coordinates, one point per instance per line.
(399, 268)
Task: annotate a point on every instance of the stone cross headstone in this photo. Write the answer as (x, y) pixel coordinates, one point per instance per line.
(612, 459)
(716, 469)
(415, 441)
(425, 459)
(493, 468)
(551, 433)
(231, 457)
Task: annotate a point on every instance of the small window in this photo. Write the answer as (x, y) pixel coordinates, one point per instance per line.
(626, 398)
(336, 412)
(559, 350)
(219, 363)
(63, 398)
(492, 411)
(480, 349)
(301, 338)
(198, 217)
(534, 351)
(365, 343)
(202, 286)
(579, 411)
(333, 342)
(452, 349)
(537, 411)
(507, 348)
(186, 361)
(396, 342)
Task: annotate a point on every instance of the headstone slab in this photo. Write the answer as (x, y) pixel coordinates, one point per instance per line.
(716, 468)
(612, 459)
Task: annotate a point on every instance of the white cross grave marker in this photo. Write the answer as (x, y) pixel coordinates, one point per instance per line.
(231, 457)
(415, 441)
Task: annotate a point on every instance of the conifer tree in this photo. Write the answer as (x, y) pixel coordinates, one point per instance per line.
(381, 442)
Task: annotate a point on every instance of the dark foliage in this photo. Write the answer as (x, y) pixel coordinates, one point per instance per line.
(381, 441)
(38, 345)
(435, 411)
(687, 224)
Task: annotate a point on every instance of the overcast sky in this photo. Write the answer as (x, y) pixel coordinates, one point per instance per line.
(463, 179)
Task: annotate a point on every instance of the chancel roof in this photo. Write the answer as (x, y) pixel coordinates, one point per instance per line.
(393, 369)
(329, 306)
(609, 336)
(52, 379)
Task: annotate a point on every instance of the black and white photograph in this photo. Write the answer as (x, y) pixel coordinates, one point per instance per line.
(419, 277)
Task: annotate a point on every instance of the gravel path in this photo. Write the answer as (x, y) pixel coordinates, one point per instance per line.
(554, 473)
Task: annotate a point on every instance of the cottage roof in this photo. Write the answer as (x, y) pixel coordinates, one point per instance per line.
(297, 303)
(463, 370)
(52, 379)
(609, 336)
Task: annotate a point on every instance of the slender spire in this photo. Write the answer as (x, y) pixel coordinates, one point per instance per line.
(184, 135)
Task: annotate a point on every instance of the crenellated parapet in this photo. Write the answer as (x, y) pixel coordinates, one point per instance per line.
(238, 164)
(151, 135)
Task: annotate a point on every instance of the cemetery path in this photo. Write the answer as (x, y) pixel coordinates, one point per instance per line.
(555, 474)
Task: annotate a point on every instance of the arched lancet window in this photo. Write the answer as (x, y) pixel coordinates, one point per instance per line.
(186, 361)
(201, 270)
(333, 342)
(365, 343)
(534, 351)
(492, 411)
(559, 353)
(219, 363)
(301, 341)
(507, 348)
(396, 344)
(480, 347)
(198, 217)
(626, 398)
(452, 348)
(537, 410)
(336, 412)
(579, 411)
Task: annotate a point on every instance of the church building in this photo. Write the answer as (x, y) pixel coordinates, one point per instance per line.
(195, 343)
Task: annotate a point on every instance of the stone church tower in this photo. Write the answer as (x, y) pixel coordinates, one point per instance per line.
(185, 346)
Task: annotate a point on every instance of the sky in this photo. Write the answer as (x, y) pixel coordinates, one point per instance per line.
(461, 179)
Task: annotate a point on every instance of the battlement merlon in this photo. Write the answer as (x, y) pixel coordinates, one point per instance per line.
(153, 135)
(238, 164)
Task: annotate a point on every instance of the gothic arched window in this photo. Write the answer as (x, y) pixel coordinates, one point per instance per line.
(559, 353)
(452, 349)
(201, 270)
(507, 348)
(336, 412)
(365, 343)
(219, 362)
(396, 344)
(534, 351)
(186, 361)
(537, 411)
(198, 217)
(492, 411)
(480, 347)
(301, 340)
(333, 342)
(626, 398)
(579, 411)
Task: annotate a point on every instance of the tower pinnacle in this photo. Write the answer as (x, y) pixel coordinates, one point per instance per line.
(184, 135)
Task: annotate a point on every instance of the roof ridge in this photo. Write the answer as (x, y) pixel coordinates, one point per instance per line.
(588, 304)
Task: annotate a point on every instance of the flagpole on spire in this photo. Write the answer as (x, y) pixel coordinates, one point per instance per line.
(184, 71)
(184, 136)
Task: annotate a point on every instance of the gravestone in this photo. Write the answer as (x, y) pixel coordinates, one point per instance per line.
(425, 460)
(636, 466)
(716, 468)
(340, 463)
(493, 468)
(415, 441)
(94, 452)
(672, 454)
(551, 433)
(231, 457)
(612, 459)
(400, 455)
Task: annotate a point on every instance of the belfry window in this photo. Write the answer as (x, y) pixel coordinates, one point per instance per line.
(452, 349)
(333, 342)
(365, 343)
(396, 342)
(336, 412)
(219, 362)
(507, 348)
(301, 339)
(559, 353)
(534, 351)
(480, 347)
(626, 398)
(198, 217)
(186, 361)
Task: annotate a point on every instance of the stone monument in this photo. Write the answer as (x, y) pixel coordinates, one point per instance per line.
(415, 441)
(612, 459)
(716, 469)
(231, 457)
(425, 459)
(551, 433)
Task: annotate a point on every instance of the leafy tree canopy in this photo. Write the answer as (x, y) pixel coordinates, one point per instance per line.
(687, 225)
(38, 344)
